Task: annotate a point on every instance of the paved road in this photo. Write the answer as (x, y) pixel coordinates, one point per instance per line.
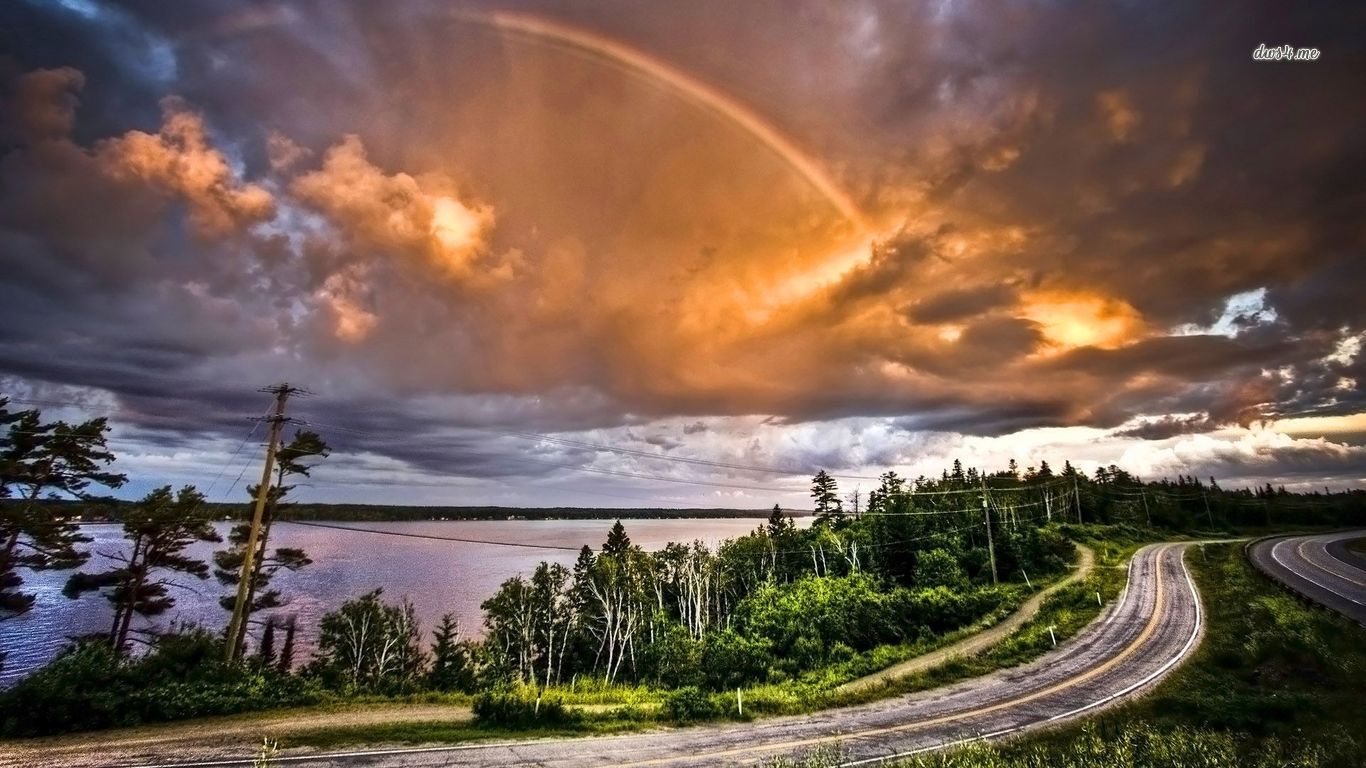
(1155, 625)
(1320, 567)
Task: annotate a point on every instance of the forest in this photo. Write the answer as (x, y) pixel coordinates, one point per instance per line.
(870, 581)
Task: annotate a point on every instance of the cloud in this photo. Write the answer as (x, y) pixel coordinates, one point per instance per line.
(399, 214)
(470, 227)
(42, 104)
(179, 160)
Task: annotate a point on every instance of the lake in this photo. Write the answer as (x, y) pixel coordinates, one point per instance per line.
(439, 576)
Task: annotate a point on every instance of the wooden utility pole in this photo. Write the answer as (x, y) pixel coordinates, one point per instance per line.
(1208, 514)
(1076, 495)
(240, 609)
(991, 546)
(1146, 513)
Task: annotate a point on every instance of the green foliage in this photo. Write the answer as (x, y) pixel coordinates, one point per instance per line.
(90, 686)
(38, 459)
(370, 645)
(1140, 745)
(730, 659)
(160, 528)
(689, 704)
(511, 708)
(452, 666)
(940, 568)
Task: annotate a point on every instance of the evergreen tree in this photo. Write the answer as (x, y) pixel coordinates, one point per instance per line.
(52, 460)
(825, 494)
(618, 543)
(287, 652)
(779, 524)
(451, 664)
(160, 528)
(266, 655)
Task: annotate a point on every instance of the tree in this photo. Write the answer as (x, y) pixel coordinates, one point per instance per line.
(266, 654)
(618, 543)
(510, 626)
(825, 492)
(371, 644)
(779, 524)
(52, 460)
(159, 527)
(290, 462)
(287, 652)
(554, 617)
(452, 668)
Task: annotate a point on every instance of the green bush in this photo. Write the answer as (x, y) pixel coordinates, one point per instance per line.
(88, 686)
(688, 704)
(510, 709)
(730, 659)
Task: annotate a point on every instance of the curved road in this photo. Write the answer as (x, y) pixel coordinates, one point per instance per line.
(1319, 567)
(1156, 624)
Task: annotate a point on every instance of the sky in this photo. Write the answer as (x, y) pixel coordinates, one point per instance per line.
(757, 239)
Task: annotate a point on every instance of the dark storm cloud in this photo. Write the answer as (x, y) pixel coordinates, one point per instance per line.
(1063, 187)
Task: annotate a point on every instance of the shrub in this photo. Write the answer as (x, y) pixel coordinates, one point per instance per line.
(88, 686)
(506, 708)
(730, 659)
(688, 704)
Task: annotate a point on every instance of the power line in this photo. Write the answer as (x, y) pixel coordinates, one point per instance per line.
(434, 537)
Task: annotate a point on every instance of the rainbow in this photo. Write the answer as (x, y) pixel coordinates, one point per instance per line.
(640, 64)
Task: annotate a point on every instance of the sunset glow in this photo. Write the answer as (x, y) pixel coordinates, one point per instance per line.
(856, 236)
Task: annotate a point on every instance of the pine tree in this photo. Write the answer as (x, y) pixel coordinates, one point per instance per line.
(450, 669)
(825, 493)
(618, 543)
(40, 459)
(266, 654)
(160, 528)
(779, 524)
(287, 652)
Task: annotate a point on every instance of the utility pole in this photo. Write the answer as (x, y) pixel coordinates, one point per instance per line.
(240, 608)
(991, 546)
(1076, 496)
(1208, 514)
(1146, 513)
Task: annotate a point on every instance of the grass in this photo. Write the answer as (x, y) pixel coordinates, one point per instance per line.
(464, 731)
(1276, 682)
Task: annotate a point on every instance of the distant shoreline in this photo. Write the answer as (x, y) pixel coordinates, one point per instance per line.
(109, 511)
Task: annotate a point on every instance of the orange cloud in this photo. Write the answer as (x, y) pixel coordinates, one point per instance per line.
(179, 160)
(1071, 319)
(401, 214)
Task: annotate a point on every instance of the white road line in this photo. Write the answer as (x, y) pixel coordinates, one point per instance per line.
(1321, 548)
(1275, 556)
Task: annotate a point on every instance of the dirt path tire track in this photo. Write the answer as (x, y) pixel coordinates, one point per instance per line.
(977, 642)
